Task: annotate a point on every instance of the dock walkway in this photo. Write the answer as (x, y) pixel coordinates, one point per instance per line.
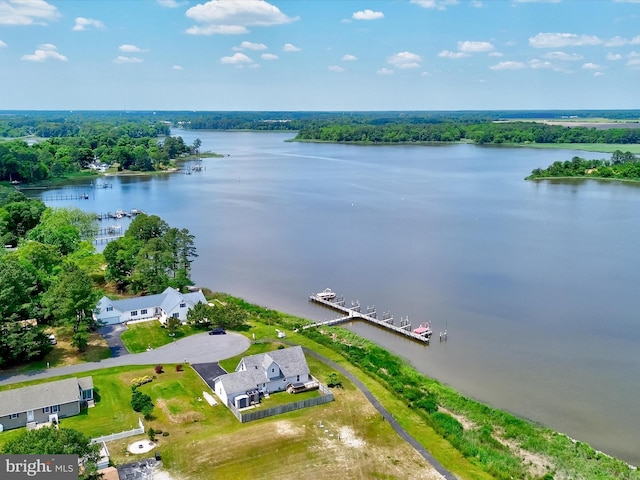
(353, 313)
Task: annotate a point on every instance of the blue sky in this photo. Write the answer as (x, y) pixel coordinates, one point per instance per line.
(319, 54)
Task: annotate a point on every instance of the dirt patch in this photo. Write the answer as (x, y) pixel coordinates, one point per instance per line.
(537, 464)
(464, 421)
(178, 418)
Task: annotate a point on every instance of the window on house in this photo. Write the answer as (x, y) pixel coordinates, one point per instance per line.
(109, 309)
(273, 370)
(298, 378)
(87, 394)
(182, 305)
(176, 315)
(55, 408)
(143, 311)
(46, 409)
(134, 313)
(14, 415)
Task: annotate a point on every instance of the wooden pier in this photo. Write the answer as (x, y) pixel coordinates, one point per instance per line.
(353, 313)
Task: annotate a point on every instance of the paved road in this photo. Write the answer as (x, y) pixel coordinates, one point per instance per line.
(200, 348)
(386, 415)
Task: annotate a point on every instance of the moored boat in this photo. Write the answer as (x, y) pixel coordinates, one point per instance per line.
(326, 294)
(423, 330)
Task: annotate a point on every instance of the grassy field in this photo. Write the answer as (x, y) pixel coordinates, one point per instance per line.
(140, 336)
(587, 147)
(63, 353)
(346, 438)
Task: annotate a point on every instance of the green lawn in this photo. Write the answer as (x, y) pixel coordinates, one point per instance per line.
(587, 147)
(140, 336)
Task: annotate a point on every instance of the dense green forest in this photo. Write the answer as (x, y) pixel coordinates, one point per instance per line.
(52, 275)
(480, 133)
(625, 166)
(60, 147)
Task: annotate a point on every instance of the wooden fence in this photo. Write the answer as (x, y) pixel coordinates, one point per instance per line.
(244, 417)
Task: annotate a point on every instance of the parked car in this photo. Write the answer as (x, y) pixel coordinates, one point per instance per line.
(52, 339)
(217, 331)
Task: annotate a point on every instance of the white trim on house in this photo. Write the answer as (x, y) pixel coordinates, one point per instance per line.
(265, 372)
(170, 303)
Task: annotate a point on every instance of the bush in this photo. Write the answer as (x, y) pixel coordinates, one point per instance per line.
(165, 434)
(151, 433)
(159, 369)
(136, 382)
(140, 401)
(179, 367)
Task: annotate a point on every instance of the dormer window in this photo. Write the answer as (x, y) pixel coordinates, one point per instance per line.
(183, 305)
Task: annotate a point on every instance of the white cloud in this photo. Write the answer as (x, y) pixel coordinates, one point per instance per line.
(269, 56)
(475, 47)
(3, 45)
(559, 40)
(218, 30)
(405, 60)
(384, 71)
(131, 48)
(598, 74)
(563, 57)
(616, 42)
(635, 40)
(450, 54)
(177, 67)
(236, 59)
(349, 58)
(496, 54)
(437, 4)
(634, 63)
(592, 66)
(289, 47)
(508, 66)
(84, 23)
(614, 56)
(45, 52)
(250, 46)
(231, 17)
(169, 3)
(367, 15)
(31, 12)
(336, 68)
(123, 59)
(536, 64)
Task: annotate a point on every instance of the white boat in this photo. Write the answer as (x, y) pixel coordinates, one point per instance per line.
(424, 330)
(326, 294)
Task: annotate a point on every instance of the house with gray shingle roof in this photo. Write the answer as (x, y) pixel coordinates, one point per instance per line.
(262, 373)
(46, 402)
(170, 303)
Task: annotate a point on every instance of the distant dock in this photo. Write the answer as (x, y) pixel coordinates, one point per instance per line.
(350, 314)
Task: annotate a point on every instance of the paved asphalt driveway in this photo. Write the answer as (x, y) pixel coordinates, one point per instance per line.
(208, 372)
(200, 348)
(111, 334)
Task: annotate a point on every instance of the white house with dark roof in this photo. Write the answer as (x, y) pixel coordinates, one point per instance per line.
(170, 303)
(262, 373)
(46, 402)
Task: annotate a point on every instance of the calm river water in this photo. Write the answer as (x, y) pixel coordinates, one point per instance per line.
(537, 283)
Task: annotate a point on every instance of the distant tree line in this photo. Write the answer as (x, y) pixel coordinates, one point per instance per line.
(71, 147)
(621, 165)
(480, 133)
